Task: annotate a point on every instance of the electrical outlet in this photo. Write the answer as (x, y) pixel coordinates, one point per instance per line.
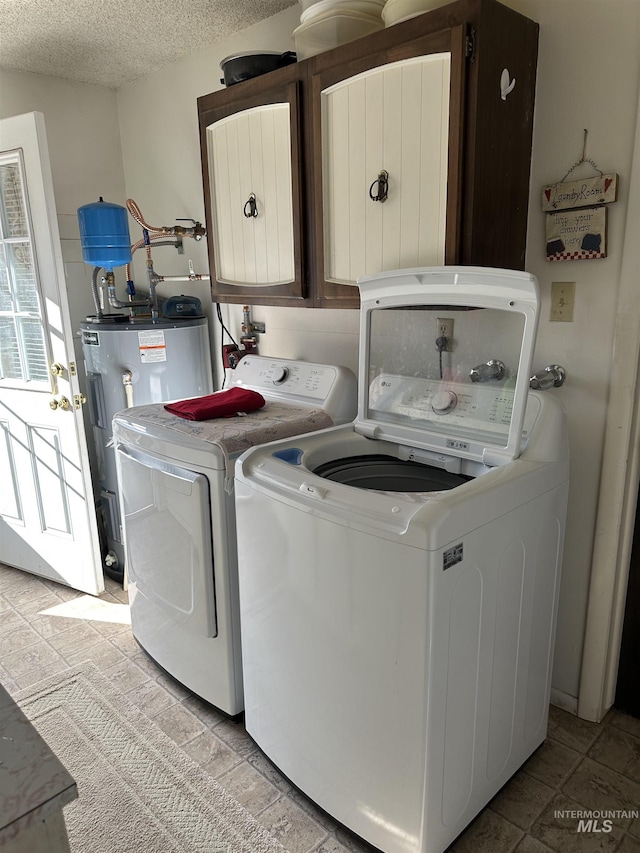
(563, 294)
(445, 330)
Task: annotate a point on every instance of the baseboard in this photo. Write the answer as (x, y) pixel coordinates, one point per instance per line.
(564, 701)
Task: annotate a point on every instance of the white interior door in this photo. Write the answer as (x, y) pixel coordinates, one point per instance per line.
(47, 517)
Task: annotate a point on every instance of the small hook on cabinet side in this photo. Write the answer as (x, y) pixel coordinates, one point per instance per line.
(506, 84)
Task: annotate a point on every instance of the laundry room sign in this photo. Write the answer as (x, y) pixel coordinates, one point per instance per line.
(600, 189)
(577, 235)
(576, 227)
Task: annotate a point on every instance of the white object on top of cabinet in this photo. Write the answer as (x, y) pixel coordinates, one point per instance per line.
(250, 153)
(393, 119)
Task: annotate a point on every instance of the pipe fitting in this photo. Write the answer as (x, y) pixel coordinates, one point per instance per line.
(552, 376)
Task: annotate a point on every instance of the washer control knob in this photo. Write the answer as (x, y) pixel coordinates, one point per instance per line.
(280, 375)
(443, 401)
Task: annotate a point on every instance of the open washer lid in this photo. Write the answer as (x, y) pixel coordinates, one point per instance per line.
(412, 393)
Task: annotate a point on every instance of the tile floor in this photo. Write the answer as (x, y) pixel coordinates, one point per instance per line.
(581, 766)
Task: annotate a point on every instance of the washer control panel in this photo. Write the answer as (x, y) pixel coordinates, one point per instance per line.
(444, 401)
(451, 404)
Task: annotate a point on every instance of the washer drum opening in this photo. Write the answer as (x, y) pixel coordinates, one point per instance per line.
(388, 474)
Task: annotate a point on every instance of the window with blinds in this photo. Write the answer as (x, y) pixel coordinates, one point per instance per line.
(22, 344)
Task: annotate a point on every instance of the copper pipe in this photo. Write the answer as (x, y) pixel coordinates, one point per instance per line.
(155, 233)
(197, 232)
(134, 210)
(139, 245)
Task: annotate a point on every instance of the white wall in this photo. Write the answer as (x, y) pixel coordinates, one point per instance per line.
(582, 84)
(588, 77)
(86, 159)
(577, 88)
(161, 149)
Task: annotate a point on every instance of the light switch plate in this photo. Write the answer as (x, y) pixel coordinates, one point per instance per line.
(563, 294)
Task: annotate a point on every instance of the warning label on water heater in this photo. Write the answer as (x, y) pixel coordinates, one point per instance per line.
(152, 346)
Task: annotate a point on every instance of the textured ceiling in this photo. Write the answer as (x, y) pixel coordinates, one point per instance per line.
(114, 42)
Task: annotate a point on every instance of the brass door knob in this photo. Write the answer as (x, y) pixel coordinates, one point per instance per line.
(63, 403)
(57, 369)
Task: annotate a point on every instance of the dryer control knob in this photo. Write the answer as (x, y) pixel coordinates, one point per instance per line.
(443, 401)
(280, 375)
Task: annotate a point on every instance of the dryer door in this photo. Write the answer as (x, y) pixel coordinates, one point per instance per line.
(167, 529)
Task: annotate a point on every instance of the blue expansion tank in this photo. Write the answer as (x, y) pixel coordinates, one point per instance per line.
(104, 233)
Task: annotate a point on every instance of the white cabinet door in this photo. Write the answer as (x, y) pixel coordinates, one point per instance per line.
(249, 154)
(393, 119)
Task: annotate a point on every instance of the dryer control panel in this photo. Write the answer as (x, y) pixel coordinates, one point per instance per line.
(323, 386)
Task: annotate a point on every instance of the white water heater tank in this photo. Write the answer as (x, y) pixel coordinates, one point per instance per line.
(134, 363)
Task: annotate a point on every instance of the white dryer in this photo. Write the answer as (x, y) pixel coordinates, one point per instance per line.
(175, 479)
(399, 575)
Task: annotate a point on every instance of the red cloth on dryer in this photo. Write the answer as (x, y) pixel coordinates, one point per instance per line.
(222, 404)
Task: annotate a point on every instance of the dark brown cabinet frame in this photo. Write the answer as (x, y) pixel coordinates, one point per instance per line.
(282, 86)
(489, 140)
(450, 40)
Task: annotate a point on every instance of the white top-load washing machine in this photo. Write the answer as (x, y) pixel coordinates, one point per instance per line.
(175, 479)
(399, 575)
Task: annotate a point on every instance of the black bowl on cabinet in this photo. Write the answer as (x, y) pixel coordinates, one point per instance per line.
(244, 66)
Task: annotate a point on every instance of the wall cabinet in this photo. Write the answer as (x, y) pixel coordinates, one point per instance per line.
(408, 147)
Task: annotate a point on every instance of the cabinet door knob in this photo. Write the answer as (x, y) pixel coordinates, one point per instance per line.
(382, 185)
(250, 208)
